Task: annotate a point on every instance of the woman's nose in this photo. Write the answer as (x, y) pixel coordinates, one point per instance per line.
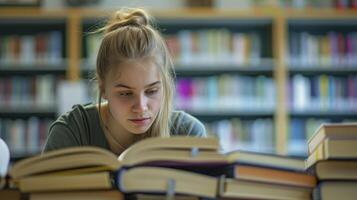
(140, 104)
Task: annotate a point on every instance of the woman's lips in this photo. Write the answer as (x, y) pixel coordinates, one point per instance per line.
(140, 121)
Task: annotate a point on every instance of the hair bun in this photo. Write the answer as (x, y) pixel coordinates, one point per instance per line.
(127, 17)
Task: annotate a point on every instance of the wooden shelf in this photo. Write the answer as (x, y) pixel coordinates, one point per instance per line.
(233, 113)
(324, 113)
(323, 70)
(223, 69)
(30, 110)
(6, 69)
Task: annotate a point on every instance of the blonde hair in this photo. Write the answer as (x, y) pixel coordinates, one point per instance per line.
(128, 35)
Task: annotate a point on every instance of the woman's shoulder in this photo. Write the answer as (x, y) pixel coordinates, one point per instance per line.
(183, 123)
(78, 113)
(73, 128)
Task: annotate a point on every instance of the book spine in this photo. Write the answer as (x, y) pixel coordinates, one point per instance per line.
(316, 192)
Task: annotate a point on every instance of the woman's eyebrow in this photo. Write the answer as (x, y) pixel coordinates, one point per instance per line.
(152, 84)
(128, 87)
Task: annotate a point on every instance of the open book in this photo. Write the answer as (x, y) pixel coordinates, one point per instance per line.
(83, 168)
(152, 151)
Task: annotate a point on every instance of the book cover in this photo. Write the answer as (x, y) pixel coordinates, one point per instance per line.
(347, 130)
(267, 160)
(335, 170)
(333, 149)
(235, 188)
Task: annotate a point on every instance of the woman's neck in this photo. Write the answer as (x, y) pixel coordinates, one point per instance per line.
(117, 137)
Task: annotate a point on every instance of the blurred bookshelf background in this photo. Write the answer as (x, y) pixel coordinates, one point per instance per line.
(262, 75)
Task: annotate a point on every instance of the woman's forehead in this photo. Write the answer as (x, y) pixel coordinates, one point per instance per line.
(137, 73)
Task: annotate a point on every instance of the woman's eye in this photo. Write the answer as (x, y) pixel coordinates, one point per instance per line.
(151, 92)
(124, 94)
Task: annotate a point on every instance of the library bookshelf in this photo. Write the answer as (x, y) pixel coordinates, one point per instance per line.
(271, 32)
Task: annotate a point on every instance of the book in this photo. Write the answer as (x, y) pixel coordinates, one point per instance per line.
(271, 175)
(79, 195)
(236, 188)
(333, 131)
(336, 170)
(333, 149)
(152, 151)
(51, 182)
(167, 180)
(267, 160)
(331, 190)
(89, 168)
(141, 179)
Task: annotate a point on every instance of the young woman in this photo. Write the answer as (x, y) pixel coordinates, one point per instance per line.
(134, 78)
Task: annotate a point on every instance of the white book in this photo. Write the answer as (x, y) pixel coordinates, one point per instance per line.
(70, 93)
(238, 48)
(301, 88)
(27, 55)
(224, 132)
(45, 90)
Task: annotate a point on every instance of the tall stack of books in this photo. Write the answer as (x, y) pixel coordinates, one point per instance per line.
(333, 158)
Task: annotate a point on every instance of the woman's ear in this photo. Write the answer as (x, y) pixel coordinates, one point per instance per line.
(102, 89)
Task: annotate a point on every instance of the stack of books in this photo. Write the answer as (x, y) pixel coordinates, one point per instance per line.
(162, 168)
(266, 176)
(153, 168)
(333, 158)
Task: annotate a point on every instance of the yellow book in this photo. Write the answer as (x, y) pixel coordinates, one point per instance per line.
(266, 160)
(333, 149)
(336, 170)
(78, 195)
(243, 189)
(330, 190)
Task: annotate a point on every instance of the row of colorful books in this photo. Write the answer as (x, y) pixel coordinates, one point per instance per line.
(323, 92)
(44, 47)
(244, 134)
(337, 4)
(214, 46)
(27, 91)
(225, 92)
(333, 49)
(24, 136)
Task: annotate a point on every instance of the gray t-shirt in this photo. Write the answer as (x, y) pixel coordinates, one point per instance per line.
(81, 127)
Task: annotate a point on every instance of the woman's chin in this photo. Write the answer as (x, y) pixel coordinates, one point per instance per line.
(138, 130)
